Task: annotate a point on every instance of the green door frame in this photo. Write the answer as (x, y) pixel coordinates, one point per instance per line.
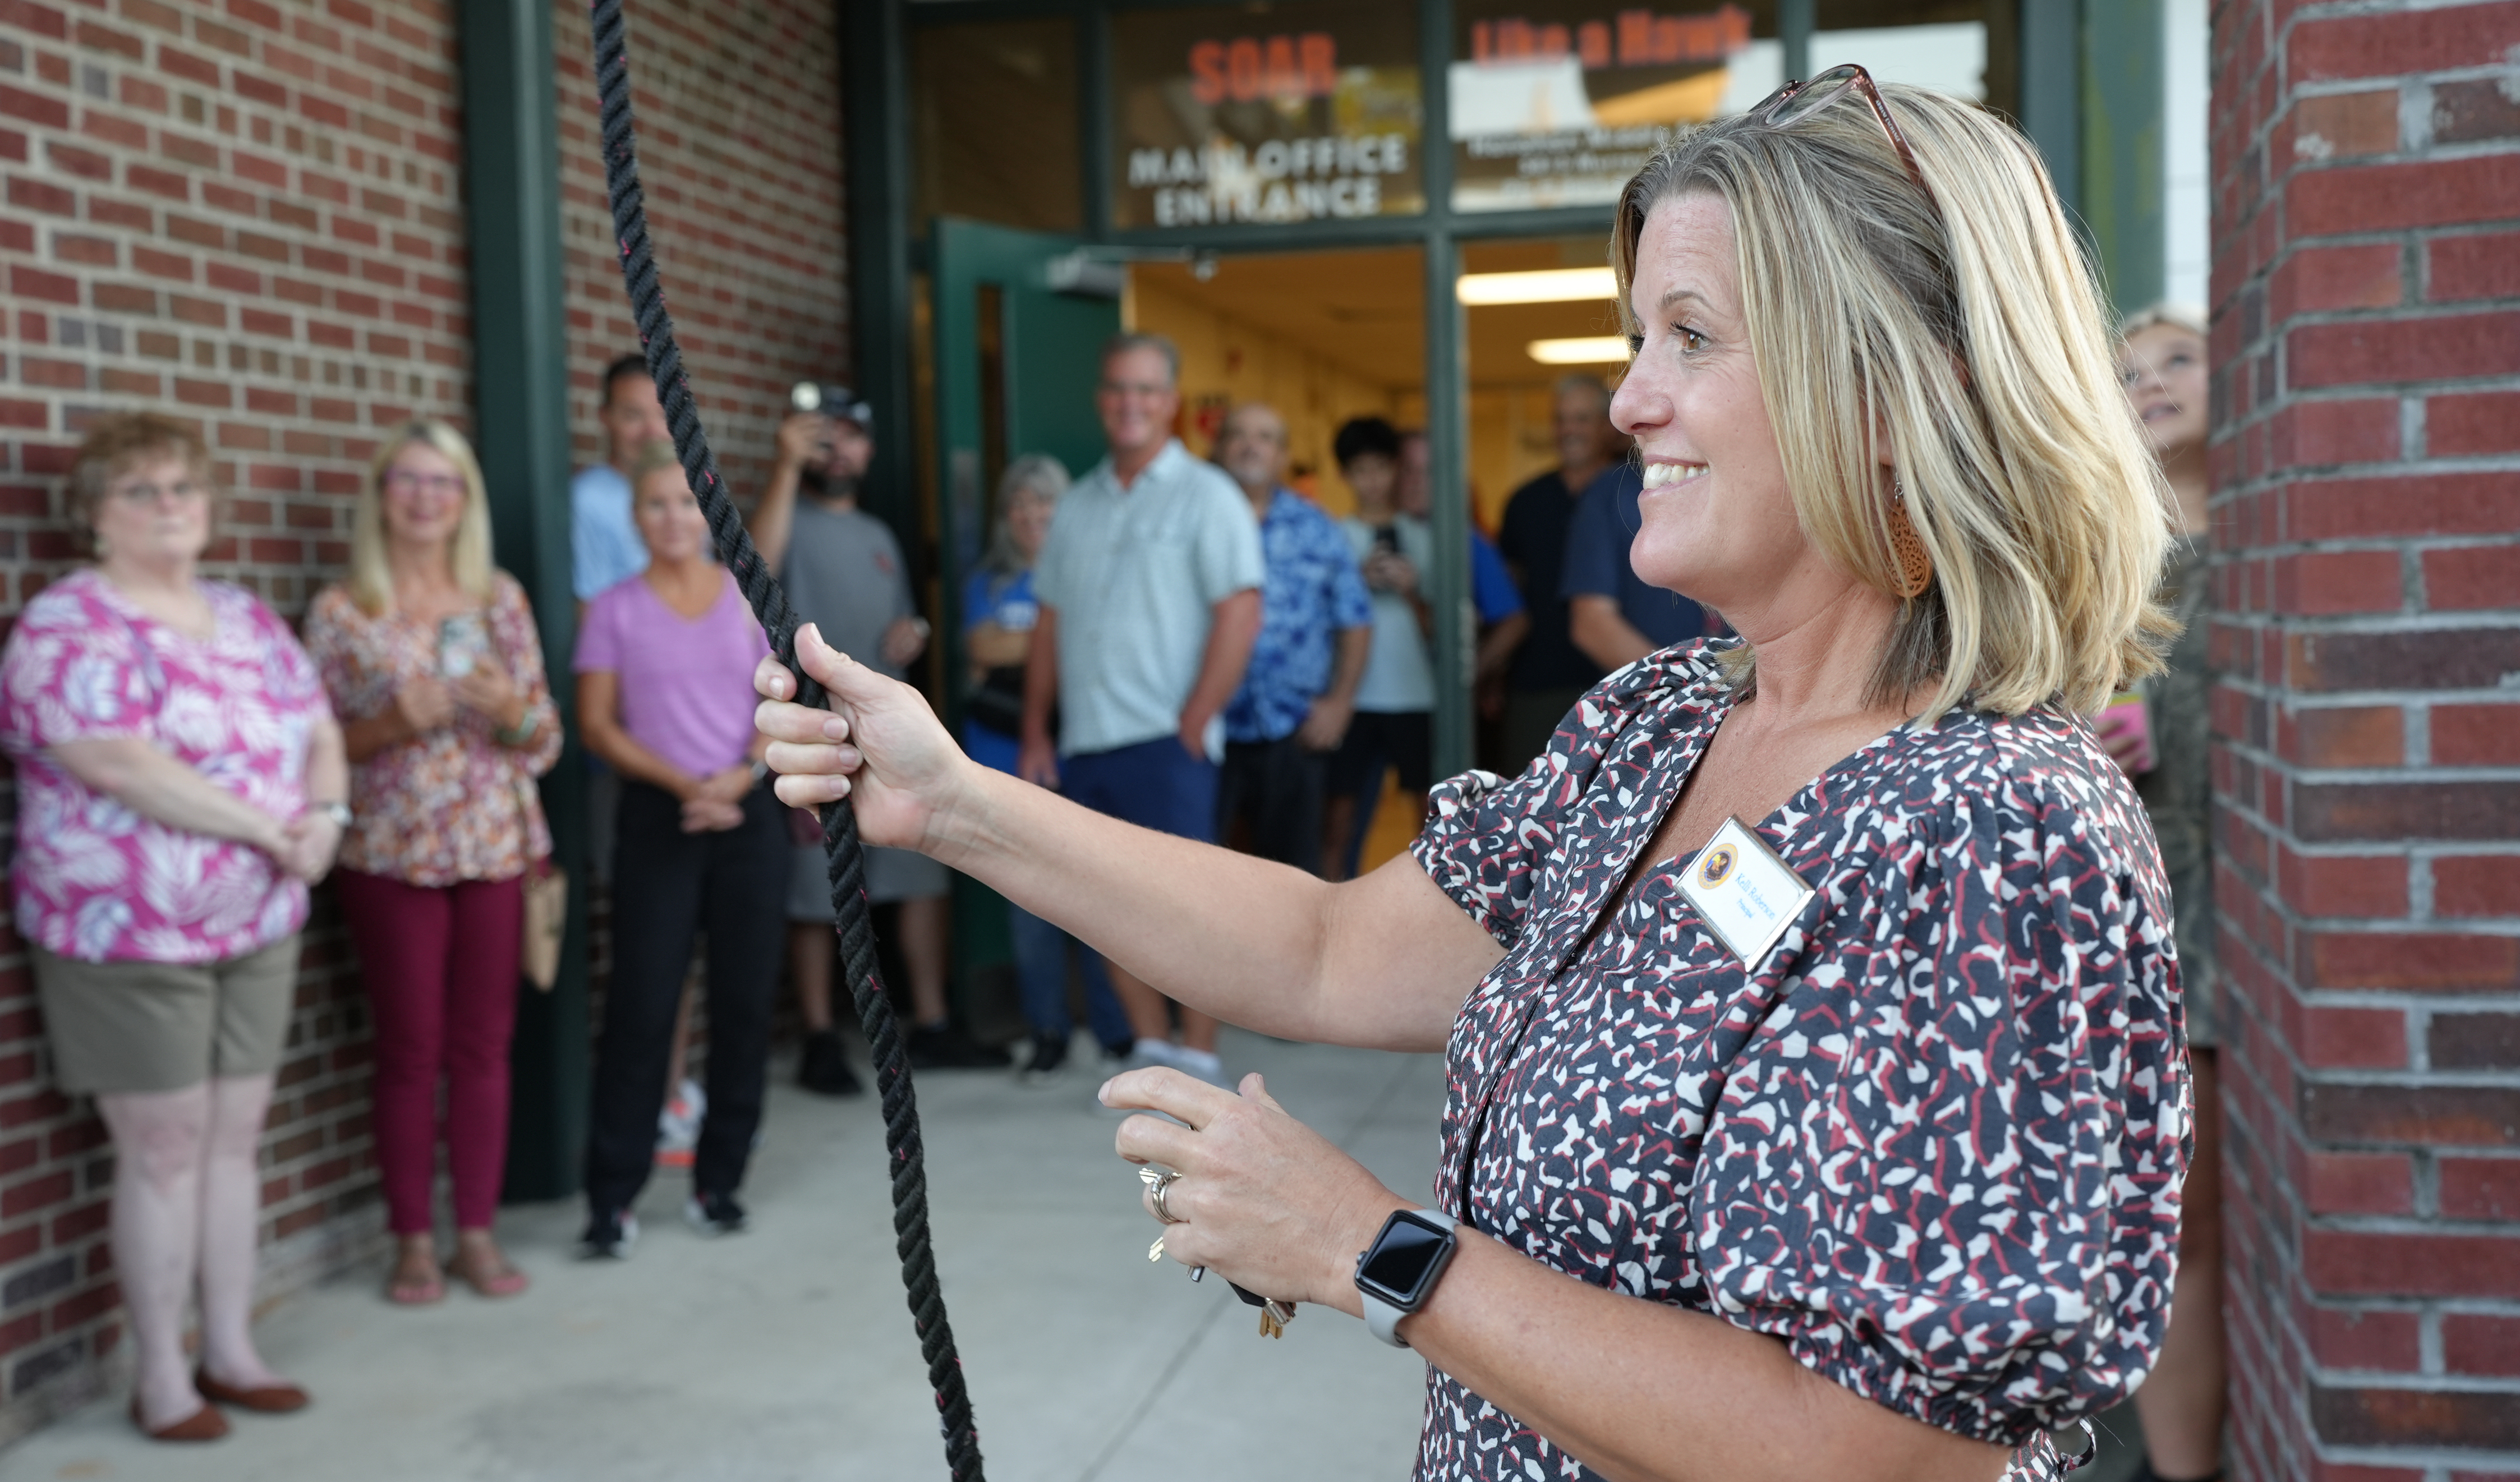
(1439, 233)
(520, 431)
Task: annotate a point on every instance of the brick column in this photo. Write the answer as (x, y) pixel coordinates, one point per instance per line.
(2366, 444)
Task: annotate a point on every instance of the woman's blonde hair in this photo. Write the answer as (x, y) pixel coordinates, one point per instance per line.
(655, 455)
(2176, 315)
(1967, 330)
(370, 578)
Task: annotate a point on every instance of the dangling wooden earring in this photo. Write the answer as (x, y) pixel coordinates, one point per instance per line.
(1915, 562)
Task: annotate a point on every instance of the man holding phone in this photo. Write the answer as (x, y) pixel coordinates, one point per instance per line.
(844, 572)
(1395, 703)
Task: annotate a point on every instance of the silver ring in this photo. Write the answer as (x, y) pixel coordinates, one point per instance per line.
(1156, 1186)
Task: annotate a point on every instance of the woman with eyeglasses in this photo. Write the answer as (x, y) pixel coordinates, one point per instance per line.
(1816, 1100)
(179, 785)
(2161, 737)
(432, 658)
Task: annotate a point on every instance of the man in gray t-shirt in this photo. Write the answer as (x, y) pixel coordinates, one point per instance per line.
(843, 571)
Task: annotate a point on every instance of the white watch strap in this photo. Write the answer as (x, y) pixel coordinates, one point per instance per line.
(1381, 1318)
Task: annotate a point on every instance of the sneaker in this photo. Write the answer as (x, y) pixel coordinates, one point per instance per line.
(823, 1067)
(1202, 1063)
(950, 1046)
(1049, 1058)
(610, 1236)
(678, 1126)
(716, 1214)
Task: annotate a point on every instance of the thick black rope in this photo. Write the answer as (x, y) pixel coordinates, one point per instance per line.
(840, 822)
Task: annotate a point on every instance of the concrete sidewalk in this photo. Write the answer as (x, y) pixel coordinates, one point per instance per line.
(787, 1354)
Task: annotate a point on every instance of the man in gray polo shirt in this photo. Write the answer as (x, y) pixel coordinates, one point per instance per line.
(844, 572)
(1150, 595)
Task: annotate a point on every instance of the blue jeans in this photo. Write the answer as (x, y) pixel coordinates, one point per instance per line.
(1041, 968)
(1151, 784)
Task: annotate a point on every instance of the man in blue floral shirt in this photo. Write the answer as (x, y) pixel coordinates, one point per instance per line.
(1316, 628)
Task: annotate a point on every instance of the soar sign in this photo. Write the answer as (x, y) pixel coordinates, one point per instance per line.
(1280, 112)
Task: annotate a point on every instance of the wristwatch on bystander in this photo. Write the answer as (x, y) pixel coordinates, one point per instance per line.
(1398, 1272)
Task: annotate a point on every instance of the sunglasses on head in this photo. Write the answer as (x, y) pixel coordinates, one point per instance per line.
(1800, 100)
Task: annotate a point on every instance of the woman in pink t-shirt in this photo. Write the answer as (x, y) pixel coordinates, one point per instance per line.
(664, 692)
(180, 781)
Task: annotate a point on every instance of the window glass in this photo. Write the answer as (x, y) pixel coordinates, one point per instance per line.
(1556, 102)
(1966, 48)
(1272, 112)
(993, 120)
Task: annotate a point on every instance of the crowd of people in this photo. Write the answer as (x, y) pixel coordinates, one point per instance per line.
(1181, 643)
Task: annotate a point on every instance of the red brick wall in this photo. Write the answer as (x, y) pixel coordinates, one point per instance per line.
(247, 214)
(251, 213)
(2367, 345)
(740, 155)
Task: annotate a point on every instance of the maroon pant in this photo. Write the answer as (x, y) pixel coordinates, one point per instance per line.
(440, 964)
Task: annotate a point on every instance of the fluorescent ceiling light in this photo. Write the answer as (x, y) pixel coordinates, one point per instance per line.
(1550, 285)
(1592, 349)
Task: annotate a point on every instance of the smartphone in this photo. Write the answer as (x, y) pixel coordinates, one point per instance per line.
(1386, 538)
(463, 641)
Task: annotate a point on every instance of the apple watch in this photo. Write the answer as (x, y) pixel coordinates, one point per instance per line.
(1398, 1272)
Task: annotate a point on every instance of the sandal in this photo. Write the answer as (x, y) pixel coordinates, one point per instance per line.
(406, 1291)
(506, 1281)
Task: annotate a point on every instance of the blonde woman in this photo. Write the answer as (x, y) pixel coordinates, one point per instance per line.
(179, 784)
(2161, 742)
(433, 663)
(1816, 1107)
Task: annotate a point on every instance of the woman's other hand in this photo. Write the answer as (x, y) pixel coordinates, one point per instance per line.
(878, 744)
(1273, 1205)
(308, 844)
(2126, 729)
(708, 814)
(726, 785)
(423, 703)
(488, 691)
(904, 641)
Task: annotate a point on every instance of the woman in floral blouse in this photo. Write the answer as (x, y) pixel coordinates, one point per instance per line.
(179, 784)
(1817, 1104)
(433, 663)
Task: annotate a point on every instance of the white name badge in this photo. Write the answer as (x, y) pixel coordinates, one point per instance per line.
(1743, 890)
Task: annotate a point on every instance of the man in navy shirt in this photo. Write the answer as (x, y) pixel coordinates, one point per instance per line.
(1316, 629)
(1614, 615)
(1549, 673)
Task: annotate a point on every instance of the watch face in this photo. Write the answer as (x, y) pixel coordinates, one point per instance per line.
(1400, 1262)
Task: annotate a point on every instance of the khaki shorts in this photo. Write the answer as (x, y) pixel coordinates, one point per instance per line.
(892, 876)
(119, 1028)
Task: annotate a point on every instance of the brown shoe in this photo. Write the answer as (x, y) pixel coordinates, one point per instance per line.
(266, 1400)
(202, 1424)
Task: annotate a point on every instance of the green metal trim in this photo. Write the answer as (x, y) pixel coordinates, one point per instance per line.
(1448, 589)
(1796, 19)
(520, 430)
(2123, 197)
(876, 158)
(2051, 91)
(1094, 128)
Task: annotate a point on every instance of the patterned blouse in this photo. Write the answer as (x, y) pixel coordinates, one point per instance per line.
(95, 880)
(1933, 1140)
(454, 804)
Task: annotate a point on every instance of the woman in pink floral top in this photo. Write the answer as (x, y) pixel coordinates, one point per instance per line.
(179, 784)
(433, 659)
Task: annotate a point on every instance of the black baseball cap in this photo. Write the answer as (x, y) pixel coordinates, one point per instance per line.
(832, 400)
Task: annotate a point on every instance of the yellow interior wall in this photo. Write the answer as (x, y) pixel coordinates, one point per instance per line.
(1225, 361)
(1512, 441)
